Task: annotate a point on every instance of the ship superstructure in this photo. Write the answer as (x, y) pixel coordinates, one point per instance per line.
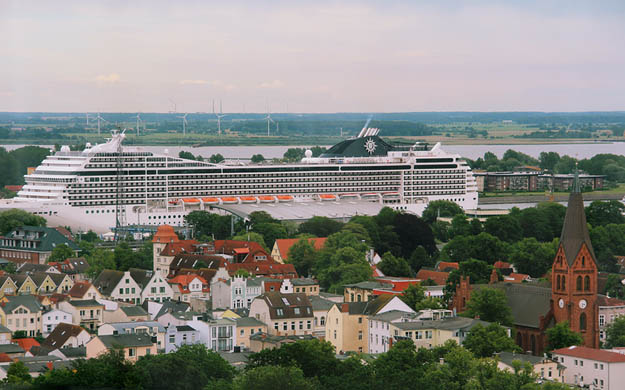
(84, 189)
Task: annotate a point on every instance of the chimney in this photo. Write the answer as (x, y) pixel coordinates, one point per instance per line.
(50, 366)
(345, 307)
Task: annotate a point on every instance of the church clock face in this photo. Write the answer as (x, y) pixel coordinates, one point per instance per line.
(582, 304)
(561, 303)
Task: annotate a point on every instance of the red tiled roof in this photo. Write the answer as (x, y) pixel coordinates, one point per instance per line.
(79, 289)
(502, 264)
(591, 353)
(183, 282)
(285, 244)
(165, 233)
(515, 278)
(230, 247)
(443, 265)
(376, 272)
(26, 343)
(174, 248)
(440, 278)
(4, 358)
(275, 270)
(602, 300)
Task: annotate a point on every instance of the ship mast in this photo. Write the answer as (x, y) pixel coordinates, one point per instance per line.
(120, 215)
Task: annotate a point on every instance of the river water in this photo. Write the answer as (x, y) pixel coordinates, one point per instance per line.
(577, 150)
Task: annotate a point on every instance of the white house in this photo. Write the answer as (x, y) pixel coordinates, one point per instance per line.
(234, 293)
(600, 369)
(152, 328)
(52, 318)
(67, 335)
(179, 335)
(118, 285)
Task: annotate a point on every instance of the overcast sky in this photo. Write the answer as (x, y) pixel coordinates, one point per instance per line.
(312, 56)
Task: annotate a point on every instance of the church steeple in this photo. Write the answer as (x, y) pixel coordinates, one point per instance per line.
(575, 230)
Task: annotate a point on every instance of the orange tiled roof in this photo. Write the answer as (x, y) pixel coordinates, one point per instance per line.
(439, 277)
(502, 264)
(183, 282)
(26, 343)
(181, 246)
(285, 244)
(4, 358)
(443, 265)
(79, 289)
(165, 233)
(515, 278)
(276, 270)
(602, 300)
(591, 353)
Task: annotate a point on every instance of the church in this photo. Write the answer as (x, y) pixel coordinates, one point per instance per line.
(572, 296)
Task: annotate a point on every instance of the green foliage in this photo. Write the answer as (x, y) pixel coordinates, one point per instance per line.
(601, 213)
(394, 266)
(420, 258)
(561, 336)
(532, 257)
(482, 247)
(17, 373)
(272, 378)
(490, 305)
(206, 224)
(60, 253)
(99, 260)
(414, 296)
(510, 160)
(615, 333)
(505, 227)
(320, 226)
(242, 272)
(13, 218)
(607, 241)
(478, 271)
(125, 258)
(252, 236)
(270, 232)
(258, 158)
(614, 287)
(484, 341)
(216, 158)
(441, 208)
(303, 256)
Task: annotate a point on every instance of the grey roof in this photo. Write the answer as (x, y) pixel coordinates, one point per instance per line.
(575, 230)
(304, 282)
(43, 366)
(261, 336)
(27, 268)
(319, 303)
(107, 280)
(84, 302)
(11, 348)
(61, 333)
(126, 340)
(509, 357)
(235, 358)
(369, 285)
(134, 311)
(390, 316)
(32, 359)
(28, 301)
(4, 329)
(248, 321)
(527, 302)
(79, 264)
(302, 211)
(141, 276)
(325, 294)
(366, 308)
(296, 305)
(453, 323)
(185, 328)
(56, 278)
(170, 307)
(46, 238)
(253, 282)
(74, 352)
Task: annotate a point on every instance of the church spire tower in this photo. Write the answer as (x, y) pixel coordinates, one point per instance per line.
(574, 273)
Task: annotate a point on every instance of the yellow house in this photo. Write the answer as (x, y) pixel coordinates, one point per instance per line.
(363, 291)
(307, 286)
(347, 324)
(433, 333)
(45, 284)
(134, 345)
(246, 327)
(22, 312)
(7, 286)
(230, 314)
(63, 282)
(25, 284)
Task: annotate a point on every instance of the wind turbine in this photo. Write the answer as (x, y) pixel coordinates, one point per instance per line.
(174, 104)
(99, 118)
(269, 120)
(184, 123)
(87, 115)
(219, 116)
(138, 121)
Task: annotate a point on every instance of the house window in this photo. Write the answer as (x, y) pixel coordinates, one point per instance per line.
(285, 326)
(360, 335)
(334, 334)
(292, 325)
(153, 290)
(242, 332)
(275, 325)
(131, 352)
(296, 310)
(360, 320)
(323, 321)
(308, 324)
(121, 290)
(162, 289)
(601, 319)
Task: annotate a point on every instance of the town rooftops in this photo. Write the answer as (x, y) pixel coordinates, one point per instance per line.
(393, 315)
(61, 333)
(320, 303)
(603, 301)
(165, 234)
(134, 311)
(185, 328)
(126, 340)
(121, 327)
(261, 336)
(248, 321)
(439, 277)
(11, 348)
(85, 303)
(369, 285)
(591, 354)
(285, 244)
(79, 289)
(452, 323)
(296, 305)
(304, 282)
(107, 280)
(4, 329)
(29, 268)
(44, 239)
(508, 357)
(370, 307)
(27, 343)
(77, 265)
(271, 269)
(28, 301)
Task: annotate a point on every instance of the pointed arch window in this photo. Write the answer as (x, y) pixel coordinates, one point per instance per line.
(582, 321)
(558, 283)
(586, 283)
(563, 284)
(579, 283)
(583, 261)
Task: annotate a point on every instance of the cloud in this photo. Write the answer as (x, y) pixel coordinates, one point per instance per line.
(275, 84)
(108, 78)
(193, 82)
(7, 93)
(223, 85)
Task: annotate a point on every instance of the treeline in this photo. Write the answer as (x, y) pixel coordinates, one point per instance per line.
(15, 163)
(610, 165)
(305, 365)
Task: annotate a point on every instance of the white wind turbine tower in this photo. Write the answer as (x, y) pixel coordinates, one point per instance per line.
(99, 118)
(184, 123)
(269, 120)
(87, 115)
(218, 116)
(138, 121)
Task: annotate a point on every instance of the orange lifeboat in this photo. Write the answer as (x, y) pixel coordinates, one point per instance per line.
(191, 200)
(248, 199)
(229, 200)
(210, 200)
(284, 198)
(266, 199)
(327, 196)
(173, 201)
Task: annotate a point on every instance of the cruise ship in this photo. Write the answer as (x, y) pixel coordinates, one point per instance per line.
(89, 190)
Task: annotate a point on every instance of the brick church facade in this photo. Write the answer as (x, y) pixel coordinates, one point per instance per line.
(573, 295)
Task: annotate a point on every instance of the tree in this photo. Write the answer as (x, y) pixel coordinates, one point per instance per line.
(99, 260)
(561, 336)
(320, 226)
(60, 253)
(615, 333)
(478, 271)
(484, 341)
(394, 266)
(14, 218)
(490, 305)
(303, 256)
(186, 155)
(601, 213)
(272, 378)
(413, 296)
(413, 232)
(613, 286)
(482, 247)
(216, 158)
(270, 232)
(504, 227)
(251, 236)
(441, 208)
(532, 257)
(18, 373)
(258, 158)
(420, 258)
(459, 226)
